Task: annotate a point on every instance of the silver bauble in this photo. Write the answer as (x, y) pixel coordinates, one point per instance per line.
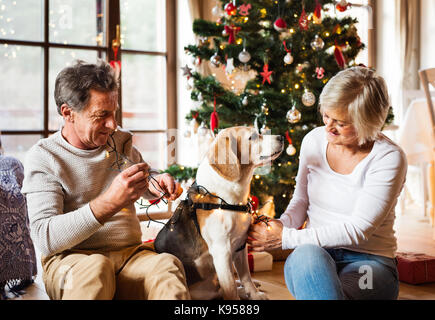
(264, 130)
(216, 11)
(202, 130)
(308, 98)
(187, 133)
(245, 101)
(244, 56)
(291, 151)
(288, 59)
(293, 115)
(215, 60)
(317, 44)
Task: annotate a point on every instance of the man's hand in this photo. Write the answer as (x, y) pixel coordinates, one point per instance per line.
(262, 237)
(165, 184)
(126, 188)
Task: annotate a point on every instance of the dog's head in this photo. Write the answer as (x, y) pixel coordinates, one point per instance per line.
(237, 150)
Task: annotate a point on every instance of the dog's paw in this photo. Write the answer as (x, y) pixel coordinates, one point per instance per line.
(242, 293)
(259, 295)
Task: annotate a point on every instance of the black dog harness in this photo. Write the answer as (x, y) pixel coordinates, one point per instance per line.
(195, 189)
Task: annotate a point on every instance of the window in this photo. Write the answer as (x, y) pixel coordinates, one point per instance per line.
(38, 38)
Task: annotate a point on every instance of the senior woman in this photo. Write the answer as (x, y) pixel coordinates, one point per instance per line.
(350, 176)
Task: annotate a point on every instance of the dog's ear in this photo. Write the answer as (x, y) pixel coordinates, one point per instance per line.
(223, 157)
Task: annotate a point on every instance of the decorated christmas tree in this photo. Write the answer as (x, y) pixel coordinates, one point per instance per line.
(277, 56)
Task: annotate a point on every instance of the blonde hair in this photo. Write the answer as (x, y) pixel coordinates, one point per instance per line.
(364, 95)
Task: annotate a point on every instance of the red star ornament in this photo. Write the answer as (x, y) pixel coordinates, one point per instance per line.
(266, 73)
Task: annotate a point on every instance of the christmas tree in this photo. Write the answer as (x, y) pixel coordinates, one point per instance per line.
(278, 56)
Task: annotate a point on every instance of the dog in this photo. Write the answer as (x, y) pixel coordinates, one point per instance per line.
(208, 230)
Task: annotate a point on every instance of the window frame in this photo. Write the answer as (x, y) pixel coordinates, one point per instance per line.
(112, 14)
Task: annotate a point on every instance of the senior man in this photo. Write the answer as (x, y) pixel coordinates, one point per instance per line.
(81, 184)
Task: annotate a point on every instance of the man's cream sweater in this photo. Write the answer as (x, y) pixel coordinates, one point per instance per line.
(59, 182)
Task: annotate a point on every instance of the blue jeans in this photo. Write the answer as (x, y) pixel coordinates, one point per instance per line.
(315, 273)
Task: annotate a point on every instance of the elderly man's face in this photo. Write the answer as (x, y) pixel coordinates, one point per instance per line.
(94, 124)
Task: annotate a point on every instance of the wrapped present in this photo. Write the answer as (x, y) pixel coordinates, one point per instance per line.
(260, 261)
(415, 268)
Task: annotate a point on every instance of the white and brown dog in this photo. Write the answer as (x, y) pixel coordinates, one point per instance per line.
(208, 231)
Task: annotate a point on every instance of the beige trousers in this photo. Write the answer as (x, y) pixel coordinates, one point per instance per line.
(132, 273)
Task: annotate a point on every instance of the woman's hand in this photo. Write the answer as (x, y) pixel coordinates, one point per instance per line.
(263, 237)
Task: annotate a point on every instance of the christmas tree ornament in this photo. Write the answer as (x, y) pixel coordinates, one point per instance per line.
(244, 56)
(317, 15)
(293, 115)
(253, 200)
(303, 20)
(244, 9)
(216, 10)
(200, 98)
(317, 44)
(264, 129)
(230, 9)
(339, 57)
(229, 69)
(231, 31)
(266, 74)
(280, 25)
(187, 71)
(116, 44)
(202, 130)
(214, 119)
(224, 33)
(288, 58)
(193, 123)
(320, 73)
(265, 109)
(188, 86)
(245, 101)
(187, 133)
(337, 29)
(215, 60)
(308, 98)
(342, 5)
(188, 130)
(291, 150)
(203, 41)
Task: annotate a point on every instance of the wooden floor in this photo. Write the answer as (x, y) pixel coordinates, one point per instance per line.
(414, 234)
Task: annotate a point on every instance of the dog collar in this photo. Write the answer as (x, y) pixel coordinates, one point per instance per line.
(212, 206)
(223, 206)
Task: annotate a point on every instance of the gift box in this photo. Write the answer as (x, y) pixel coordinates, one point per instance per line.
(415, 268)
(260, 261)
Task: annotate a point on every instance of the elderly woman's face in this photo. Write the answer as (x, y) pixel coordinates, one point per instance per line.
(94, 124)
(339, 129)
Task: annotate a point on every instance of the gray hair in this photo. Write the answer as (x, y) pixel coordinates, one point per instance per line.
(364, 95)
(73, 83)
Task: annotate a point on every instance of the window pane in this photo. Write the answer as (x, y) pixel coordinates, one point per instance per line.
(21, 88)
(17, 145)
(21, 19)
(59, 59)
(77, 22)
(143, 92)
(143, 25)
(152, 146)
